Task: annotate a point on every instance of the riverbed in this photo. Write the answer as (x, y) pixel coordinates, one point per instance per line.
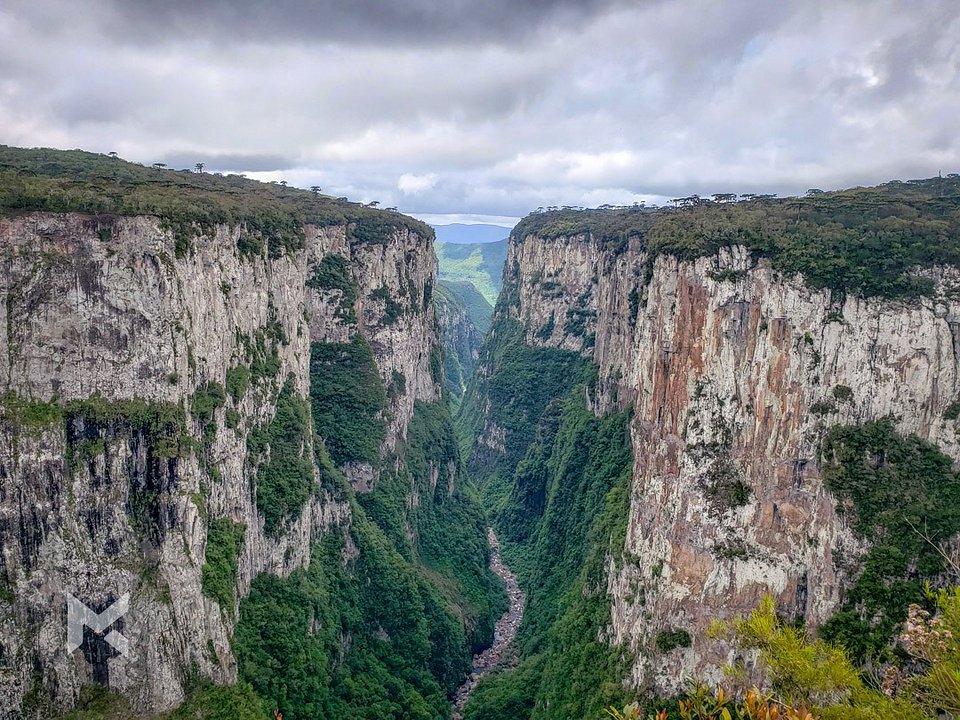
(502, 652)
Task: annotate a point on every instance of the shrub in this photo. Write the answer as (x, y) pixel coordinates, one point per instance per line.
(238, 380)
(206, 401)
(843, 393)
(823, 407)
(953, 411)
(392, 310)
(668, 640)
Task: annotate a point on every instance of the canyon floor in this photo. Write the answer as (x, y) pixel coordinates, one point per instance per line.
(501, 653)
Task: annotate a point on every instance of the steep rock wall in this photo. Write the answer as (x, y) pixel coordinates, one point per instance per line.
(105, 329)
(732, 372)
(460, 335)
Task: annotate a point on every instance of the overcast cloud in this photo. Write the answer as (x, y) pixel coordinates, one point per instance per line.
(495, 107)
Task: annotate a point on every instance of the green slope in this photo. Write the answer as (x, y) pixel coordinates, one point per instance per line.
(480, 264)
(464, 317)
(466, 295)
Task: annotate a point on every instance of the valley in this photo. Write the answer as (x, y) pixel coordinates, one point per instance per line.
(326, 481)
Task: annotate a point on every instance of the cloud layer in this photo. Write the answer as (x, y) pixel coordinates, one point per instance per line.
(496, 107)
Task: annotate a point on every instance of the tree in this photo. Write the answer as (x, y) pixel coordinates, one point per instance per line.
(199, 166)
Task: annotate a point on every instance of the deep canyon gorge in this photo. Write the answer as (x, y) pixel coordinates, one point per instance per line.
(228, 402)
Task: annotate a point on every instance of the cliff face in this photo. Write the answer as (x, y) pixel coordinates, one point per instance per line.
(136, 379)
(464, 316)
(733, 371)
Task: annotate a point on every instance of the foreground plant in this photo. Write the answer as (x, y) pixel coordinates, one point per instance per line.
(701, 703)
(934, 642)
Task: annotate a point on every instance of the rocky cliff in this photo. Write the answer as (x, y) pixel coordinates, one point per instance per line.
(734, 366)
(464, 317)
(156, 437)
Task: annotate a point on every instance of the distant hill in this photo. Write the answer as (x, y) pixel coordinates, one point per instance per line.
(480, 264)
(460, 233)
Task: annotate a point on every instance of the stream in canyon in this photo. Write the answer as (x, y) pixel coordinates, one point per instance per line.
(501, 653)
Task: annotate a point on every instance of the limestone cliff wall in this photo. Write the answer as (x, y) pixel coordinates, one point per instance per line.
(731, 369)
(105, 309)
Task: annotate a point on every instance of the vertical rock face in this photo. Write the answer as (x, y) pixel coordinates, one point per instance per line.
(732, 371)
(134, 380)
(461, 332)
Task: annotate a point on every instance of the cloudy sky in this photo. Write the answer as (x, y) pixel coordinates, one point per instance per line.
(495, 107)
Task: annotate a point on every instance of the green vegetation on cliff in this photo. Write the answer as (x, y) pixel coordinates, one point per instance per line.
(867, 241)
(219, 574)
(285, 479)
(902, 495)
(465, 295)
(464, 318)
(445, 531)
(382, 623)
(271, 216)
(348, 399)
(347, 638)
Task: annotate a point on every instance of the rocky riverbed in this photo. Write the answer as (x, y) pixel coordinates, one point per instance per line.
(502, 652)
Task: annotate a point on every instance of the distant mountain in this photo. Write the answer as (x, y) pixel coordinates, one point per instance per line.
(460, 233)
(480, 264)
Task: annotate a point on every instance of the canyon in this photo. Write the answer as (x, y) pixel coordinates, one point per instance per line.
(226, 405)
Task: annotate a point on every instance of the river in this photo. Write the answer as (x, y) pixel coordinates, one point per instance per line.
(502, 652)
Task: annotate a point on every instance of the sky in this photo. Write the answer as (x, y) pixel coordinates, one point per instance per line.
(485, 110)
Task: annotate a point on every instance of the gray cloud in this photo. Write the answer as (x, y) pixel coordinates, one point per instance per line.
(424, 22)
(230, 162)
(496, 107)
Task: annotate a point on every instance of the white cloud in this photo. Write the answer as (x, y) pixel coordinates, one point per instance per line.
(414, 184)
(613, 103)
